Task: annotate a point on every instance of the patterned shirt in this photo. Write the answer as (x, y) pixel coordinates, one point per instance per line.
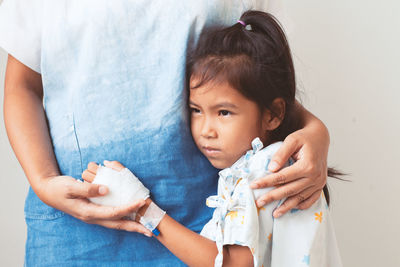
(298, 238)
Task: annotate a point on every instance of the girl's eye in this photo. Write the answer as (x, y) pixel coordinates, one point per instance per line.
(225, 113)
(194, 110)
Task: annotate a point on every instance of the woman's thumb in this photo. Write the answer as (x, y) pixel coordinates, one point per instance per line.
(87, 190)
(288, 148)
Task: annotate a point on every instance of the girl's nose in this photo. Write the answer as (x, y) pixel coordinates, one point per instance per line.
(208, 131)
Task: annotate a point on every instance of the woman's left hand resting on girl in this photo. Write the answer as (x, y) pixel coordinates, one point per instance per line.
(302, 182)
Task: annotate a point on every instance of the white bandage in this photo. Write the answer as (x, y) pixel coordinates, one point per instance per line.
(152, 217)
(123, 188)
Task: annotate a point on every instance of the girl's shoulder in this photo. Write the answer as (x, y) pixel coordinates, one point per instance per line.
(253, 164)
(257, 153)
(261, 157)
(269, 150)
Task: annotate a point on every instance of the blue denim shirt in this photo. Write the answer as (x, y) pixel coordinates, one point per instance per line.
(114, 88)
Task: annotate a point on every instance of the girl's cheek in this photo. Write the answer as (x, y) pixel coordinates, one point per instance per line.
(194, 127)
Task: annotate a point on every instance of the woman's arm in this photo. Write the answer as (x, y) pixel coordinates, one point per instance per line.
(28, 133)
(302, 182)
(192, 248)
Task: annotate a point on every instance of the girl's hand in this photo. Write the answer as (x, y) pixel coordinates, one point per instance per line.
(302, 182)
(140, 206)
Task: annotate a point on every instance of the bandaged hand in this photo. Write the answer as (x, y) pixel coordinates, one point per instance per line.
(124, 188)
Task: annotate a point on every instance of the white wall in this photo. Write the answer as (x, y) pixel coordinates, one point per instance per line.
(347, 60)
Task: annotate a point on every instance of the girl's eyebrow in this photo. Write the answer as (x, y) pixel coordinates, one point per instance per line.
(224, 105)
(193, 104)
(217, 106)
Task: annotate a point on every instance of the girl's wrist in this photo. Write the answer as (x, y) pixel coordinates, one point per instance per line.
(150, 216)
(140, 213)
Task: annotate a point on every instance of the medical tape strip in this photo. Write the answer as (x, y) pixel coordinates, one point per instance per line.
(152, 217)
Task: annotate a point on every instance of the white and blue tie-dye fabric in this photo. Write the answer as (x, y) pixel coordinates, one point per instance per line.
(299, 238)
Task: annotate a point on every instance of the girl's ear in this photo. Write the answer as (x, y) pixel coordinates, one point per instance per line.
(273, 117)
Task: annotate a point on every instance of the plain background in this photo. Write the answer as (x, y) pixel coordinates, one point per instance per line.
(348, 65)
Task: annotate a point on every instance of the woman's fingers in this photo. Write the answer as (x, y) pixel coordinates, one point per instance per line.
(309, 201)
(285, 191)
(70, 195)
(90, 211)
(78, 189)
(289, 147)
(294, 201)
(302, 182)
(115, 165)
(126, 225)
(285, 175)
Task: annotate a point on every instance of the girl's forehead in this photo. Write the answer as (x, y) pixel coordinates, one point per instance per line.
(219, 69)
(211, 87)
(200, 81)
(211, 93)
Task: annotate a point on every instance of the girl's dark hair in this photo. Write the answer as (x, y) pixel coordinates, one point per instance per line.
(255, 60)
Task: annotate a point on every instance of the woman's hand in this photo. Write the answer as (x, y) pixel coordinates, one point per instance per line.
(302, 182)
(70, 195)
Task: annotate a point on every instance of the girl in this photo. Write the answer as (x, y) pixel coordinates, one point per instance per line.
(242, 96)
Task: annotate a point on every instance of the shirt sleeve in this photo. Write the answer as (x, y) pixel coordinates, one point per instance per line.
(20, 30)
(305, 238)
(246, 225)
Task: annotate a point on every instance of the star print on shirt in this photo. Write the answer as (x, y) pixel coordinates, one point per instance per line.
(318, 216)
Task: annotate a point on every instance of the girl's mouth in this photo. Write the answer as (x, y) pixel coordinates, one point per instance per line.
(211, 151)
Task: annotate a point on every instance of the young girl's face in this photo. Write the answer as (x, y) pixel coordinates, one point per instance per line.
(224, 122)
